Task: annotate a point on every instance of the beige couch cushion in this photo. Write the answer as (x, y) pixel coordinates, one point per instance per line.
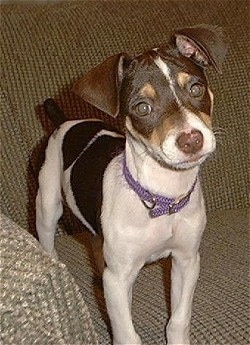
(40, 301)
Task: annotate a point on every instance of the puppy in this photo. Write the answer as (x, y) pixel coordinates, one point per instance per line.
(139, 192)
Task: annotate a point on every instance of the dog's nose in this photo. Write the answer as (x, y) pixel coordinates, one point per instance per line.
(190, 142)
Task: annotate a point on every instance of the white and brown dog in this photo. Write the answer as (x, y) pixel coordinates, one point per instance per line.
(139, 192)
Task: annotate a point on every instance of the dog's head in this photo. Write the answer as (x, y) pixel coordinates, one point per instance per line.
(163, 94)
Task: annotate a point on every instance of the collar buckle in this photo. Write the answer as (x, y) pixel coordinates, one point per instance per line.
(178, 201)
(171, 209)
(150, 205)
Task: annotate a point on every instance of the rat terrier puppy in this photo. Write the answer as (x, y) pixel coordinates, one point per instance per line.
(139, 193)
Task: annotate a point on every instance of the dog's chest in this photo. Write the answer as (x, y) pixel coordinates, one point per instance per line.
(127, 223)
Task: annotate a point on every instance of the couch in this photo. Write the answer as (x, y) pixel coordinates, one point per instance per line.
(45, 47)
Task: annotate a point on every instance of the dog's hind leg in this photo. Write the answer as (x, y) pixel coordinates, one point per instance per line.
(97, 249)
(49, 206)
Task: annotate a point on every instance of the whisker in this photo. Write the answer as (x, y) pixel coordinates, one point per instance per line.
(220, 130)
(213, 156)
(222, 136)
(143, 153)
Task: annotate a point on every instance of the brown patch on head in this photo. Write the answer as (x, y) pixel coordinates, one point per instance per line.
(183, 78)
(148, 91)
(206, 119)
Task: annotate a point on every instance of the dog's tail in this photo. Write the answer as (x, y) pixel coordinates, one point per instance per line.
(54, 113)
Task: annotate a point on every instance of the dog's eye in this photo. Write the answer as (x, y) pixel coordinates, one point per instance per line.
(197, 90)
(143, 109)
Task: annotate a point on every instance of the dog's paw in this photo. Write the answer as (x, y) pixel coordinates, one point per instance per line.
(54, 255)
(177, 335)
(135, 340)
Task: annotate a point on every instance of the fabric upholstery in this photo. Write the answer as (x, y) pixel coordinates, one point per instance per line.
(40, 301)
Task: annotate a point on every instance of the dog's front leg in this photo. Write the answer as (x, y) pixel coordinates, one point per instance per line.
(118, 295)
(184, 275)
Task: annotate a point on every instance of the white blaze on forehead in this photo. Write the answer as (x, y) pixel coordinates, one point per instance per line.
(166, 71)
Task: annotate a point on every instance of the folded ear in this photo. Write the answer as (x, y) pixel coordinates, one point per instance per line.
(100, 86)
(204, 44)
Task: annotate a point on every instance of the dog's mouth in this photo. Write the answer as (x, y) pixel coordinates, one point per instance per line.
(179, 164)
(196, 158)
(174, 163)
(190, 162)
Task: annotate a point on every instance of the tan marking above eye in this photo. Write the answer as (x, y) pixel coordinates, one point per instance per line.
(148, 91)
(183, 78)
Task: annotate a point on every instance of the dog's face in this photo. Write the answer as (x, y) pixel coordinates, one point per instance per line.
(167, 105)
(163, 95)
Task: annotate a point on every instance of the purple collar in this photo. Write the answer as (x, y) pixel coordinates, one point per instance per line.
(156, 204)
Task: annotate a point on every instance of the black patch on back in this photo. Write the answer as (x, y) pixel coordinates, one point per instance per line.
(87, 176)
(78, 137)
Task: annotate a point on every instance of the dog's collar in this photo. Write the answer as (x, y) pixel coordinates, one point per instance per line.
(157, 205)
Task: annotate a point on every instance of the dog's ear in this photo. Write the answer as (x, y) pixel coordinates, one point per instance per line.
(204, 44)
(100, 86)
